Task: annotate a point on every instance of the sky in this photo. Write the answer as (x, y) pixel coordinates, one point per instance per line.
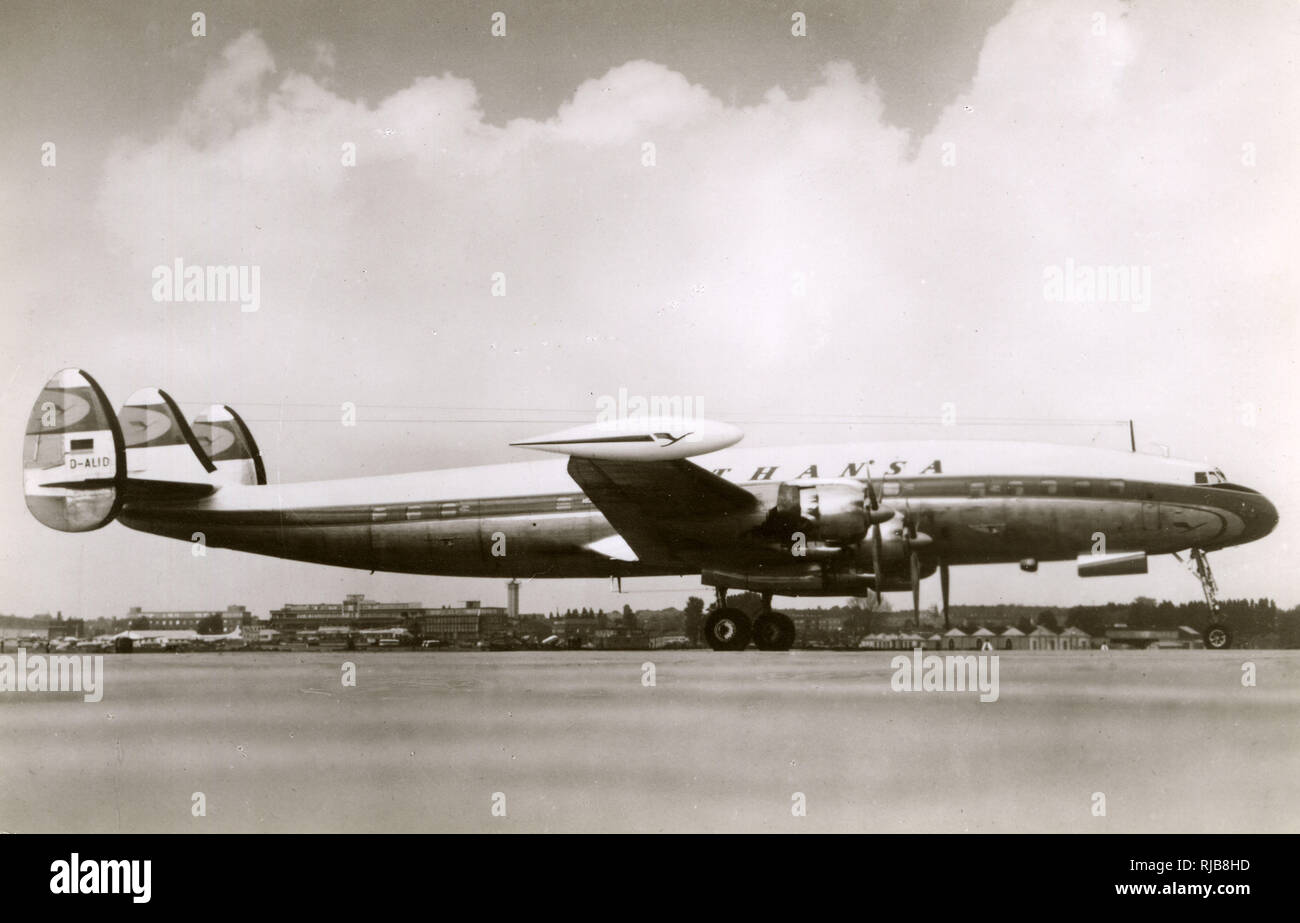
(681, 199)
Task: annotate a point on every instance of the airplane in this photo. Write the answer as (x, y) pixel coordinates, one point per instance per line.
(805, 520)
(236, 634)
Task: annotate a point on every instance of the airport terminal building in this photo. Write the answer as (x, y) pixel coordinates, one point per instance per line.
(466, 623)
(469, 622)
(355, 611)
(231, 618)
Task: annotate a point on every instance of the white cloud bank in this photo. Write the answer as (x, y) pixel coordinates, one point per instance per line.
(1122, 148)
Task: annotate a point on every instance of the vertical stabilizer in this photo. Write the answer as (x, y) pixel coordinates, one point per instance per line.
(73, 455)
(227, 441)
(160, 446)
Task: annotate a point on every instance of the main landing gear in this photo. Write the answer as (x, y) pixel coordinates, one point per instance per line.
(1217, 636)
(729, 629)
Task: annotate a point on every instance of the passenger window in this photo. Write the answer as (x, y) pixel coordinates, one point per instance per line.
(977, 488)
(413, 512)
(1049, 487)
(449, 509)
(1083, 488)
(891, 488)
(995, 488)
(1016, 488)
(1117, 488)
(378, 514)
(562, 504)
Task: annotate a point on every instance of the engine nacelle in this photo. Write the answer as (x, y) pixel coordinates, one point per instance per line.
(804, 580)
(826, 509)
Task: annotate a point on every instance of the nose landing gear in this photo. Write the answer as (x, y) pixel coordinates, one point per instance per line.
(1217, 635)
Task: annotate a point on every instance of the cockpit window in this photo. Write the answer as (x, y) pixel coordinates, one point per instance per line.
(1211, 477)
(1202, 477)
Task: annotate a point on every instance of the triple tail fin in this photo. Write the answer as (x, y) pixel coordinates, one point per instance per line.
(81, 462)
(160, 446)
(74, 457)
(230, 445)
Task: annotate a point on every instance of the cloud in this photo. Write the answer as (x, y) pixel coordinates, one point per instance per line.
(230, 96)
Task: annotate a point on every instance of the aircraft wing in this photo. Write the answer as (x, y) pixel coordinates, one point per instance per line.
(658, 506)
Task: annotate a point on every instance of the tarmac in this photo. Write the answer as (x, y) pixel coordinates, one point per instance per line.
(1102, 742)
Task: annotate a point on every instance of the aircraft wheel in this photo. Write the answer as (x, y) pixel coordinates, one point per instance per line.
(774, 632)
(1217, 637)
(727, 630)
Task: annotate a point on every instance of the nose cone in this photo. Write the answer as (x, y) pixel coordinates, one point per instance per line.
(1262, 518)
(1245, 514)
(1257, 513)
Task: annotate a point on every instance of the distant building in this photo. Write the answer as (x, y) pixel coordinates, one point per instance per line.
(1075, 639)
(954, 639)
(819, 622)
(231, 618)
(355, 612)
(1043, 638)
(468, 622)
(69, 628)
(618, 638)
(1012, 639)
(456, 624)
(577, 627)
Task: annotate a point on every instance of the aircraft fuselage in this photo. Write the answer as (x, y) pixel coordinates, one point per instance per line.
(980, 502)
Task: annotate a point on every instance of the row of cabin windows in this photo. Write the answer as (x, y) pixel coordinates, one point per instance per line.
(452, 509)
(1049, 486)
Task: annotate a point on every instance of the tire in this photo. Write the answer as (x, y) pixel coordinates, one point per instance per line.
(1217, 637)
(727, 630)
(774, 632)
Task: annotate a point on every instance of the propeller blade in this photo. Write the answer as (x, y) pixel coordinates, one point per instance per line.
(914, 561)
(943, 586)
(877, 553)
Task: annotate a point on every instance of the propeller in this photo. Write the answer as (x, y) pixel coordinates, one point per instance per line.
(911, 542)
